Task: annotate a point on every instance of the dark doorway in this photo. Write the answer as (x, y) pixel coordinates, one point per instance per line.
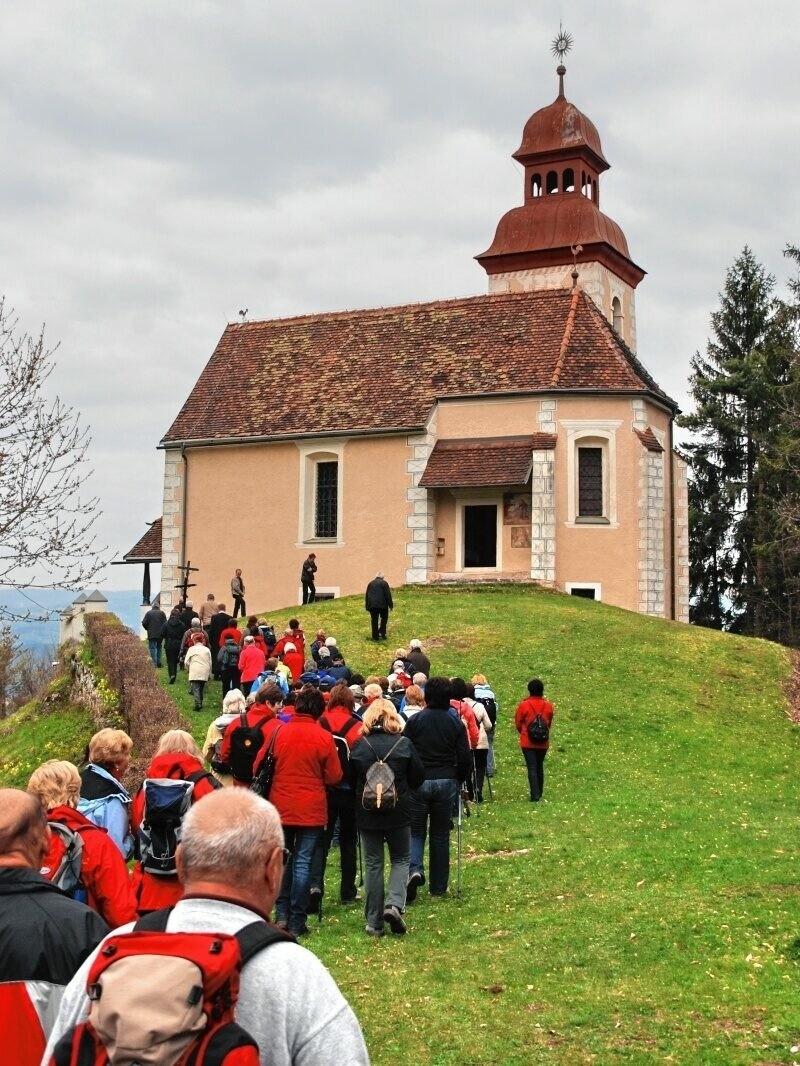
(480, 535)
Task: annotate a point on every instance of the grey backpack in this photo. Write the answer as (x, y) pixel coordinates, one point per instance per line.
(380, 790)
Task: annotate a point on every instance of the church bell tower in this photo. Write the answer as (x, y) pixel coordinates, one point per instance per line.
(560, 229)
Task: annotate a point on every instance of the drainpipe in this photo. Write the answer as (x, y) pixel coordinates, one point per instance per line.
(673, 583)
(183, 504)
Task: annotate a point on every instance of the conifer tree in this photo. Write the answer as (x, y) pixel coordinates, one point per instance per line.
(736, 390)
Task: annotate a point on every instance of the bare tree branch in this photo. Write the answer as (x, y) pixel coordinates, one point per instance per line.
(46, 524)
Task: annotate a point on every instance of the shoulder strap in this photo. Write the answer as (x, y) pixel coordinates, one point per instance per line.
(389, 752)
(348, 725)
(259, 935)
(154, 922)
(198, 776)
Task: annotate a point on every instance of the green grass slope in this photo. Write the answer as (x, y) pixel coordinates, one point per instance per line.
(647, 910)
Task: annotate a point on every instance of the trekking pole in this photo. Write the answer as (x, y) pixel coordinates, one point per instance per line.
(488, 781)
(475, 785)
(458, 848)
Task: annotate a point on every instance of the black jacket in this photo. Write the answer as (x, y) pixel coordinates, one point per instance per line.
(408, 773)
(44, 935)
(441, 740)
(419, 662)
(220, 621)
(154, 623)
(378, 595)
(173, 632)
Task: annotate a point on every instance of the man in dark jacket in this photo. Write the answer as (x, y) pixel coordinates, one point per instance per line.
(307, 579)
(45, 936)
(218, 623)
(378, 601)
(441, 742)
(417, 659)
(154, 623)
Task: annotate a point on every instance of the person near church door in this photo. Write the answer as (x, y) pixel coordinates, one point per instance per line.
(307, 579)
(237, 591)
(378, 601)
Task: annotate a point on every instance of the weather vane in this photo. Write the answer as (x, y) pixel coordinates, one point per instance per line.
(561, 45)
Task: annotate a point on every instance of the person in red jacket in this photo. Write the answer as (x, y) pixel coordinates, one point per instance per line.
(233, 632)
(339, 718)
(534, 751)
(268, 702)
(177, 758)
(294, 660)
(306, 762)
(108, 888)
(252, 662)
(464, 711)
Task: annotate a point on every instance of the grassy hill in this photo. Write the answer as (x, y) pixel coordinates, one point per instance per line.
(648, 909)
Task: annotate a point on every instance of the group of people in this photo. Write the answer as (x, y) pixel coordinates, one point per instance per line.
(371, 764)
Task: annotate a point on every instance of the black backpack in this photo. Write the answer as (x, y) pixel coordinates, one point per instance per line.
(246, 741)
(228, 657)
(342, 747)
(268, 634)
(166, 801)
(490, 703)
(538, 733)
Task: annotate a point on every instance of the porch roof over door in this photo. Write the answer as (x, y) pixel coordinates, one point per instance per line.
(484, 462)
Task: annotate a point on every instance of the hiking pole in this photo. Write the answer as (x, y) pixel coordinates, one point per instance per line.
(488, 781)
(475, 785)
(458, 848)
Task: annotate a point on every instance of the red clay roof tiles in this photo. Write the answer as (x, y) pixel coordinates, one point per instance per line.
(648, 439)
(148, 547)
(383, 369)
(489, 461)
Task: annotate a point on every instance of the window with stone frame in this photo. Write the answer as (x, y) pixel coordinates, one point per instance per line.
(590, 482)
(326, 500)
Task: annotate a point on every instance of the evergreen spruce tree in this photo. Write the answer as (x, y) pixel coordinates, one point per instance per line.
(735, 390)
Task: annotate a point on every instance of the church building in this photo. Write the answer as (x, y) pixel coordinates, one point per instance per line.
(510, 436)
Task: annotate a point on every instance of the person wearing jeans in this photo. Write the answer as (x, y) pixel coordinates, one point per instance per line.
(306, 762)
(441, 742)
(291, 906)
(388, 824)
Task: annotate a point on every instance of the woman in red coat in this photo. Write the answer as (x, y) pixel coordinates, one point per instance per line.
(534, 749)
(252, 661)
(177, 758)
(306, 761)
(294, 660)
(104, 875)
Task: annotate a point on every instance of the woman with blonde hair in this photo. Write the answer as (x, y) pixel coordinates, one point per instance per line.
(390, 823)
(177, 758)
(233, 705)
(104, 883)
(103, 799)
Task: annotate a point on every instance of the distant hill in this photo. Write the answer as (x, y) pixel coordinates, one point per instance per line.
(38, 635)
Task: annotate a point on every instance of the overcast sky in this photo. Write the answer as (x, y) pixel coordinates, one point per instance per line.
(164, 165)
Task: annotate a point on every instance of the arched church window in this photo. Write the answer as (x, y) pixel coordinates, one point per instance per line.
(616, 314)
(586, 184)
(536, 185)
(568, 181)
(594, 190)
(552, 182)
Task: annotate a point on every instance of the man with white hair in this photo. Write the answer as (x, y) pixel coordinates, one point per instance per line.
(420, 663)
(378, 602)
(230, 862)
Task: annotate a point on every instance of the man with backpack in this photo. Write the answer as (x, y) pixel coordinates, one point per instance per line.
(245, 735)
(45, 935)
(533, 720)
(230, 862)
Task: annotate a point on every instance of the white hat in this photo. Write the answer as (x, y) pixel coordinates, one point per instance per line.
(330, 642)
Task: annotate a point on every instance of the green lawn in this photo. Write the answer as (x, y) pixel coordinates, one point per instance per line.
(649, 909)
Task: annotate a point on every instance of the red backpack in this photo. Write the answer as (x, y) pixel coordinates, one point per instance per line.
(167, 999)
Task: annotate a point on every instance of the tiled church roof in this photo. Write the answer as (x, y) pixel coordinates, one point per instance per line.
(488, 461)
(649, 439)
(148, 547)
(383, 369)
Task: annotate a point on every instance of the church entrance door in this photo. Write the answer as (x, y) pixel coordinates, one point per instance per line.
(480, 536)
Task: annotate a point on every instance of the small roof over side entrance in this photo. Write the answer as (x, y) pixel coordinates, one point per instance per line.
(483, 462)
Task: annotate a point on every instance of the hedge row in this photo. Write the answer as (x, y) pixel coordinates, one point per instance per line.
(148, 711)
